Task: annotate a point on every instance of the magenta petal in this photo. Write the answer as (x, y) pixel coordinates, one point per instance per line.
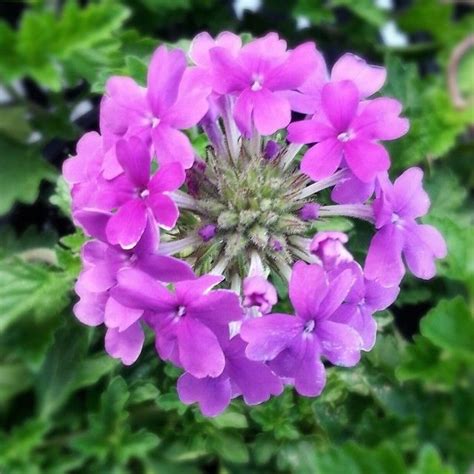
(172, 145)
(127, 225)
(228, 73)
(336, 293)
(125, 345)
(308, 287)
(218, 307)
(322, 159)
(379, 297)
(89, 310)
(340, 344)
(136, 289)
(166, 269)
(98, 278)
(409, 199)
(93, 222)
(310, 374)
(212, 394)
(243, 112)
(199, 350)
(135, 159)
(339, 101)
(120, 317)
(309, 131)
(384, 261)
(189, 292)
(271, 112)
(423, 243)
(164, 209)
(379, 120)
(269, 335)
(366, 159)
(368, 79)
(169, 177)
(351, 190)
(164, 75)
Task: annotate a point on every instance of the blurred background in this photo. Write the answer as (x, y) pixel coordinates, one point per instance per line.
(66, 407)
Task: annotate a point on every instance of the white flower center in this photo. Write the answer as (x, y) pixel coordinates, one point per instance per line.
(144, 194)
(257, 82)
(345, 136)
(181, 311)
(309, 326)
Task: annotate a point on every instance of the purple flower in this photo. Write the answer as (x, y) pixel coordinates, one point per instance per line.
(207, 232)
(364, 299)
(101, 263)
(396, 208)
(254, 380)
(259, 292)
(140, 197)
(157, 113)
(186, 321)
(329, 248)
(367, 78)
(346, 132)
(310, 211)
(256, 75)
(351, 190)
(295, 344)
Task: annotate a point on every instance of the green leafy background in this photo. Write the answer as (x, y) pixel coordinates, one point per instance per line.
(66, 407)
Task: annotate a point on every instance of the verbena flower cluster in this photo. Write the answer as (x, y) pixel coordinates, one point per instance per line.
(189, 245)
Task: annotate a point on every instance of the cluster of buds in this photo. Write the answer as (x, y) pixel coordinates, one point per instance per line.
(188, 246)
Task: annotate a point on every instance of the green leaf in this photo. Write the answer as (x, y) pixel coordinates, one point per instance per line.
(14, 379)
(14, 123)
(450, 326)
(365, 9)
(30, 290)
(231, 447)
(22, 172)
(429, 462)
(58, 375)
(230, 420)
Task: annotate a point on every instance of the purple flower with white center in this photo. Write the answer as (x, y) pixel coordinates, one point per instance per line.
(254, 380)
(246, 216)
(102, 262)
(346, 131)
(158, 113)
(396, 208)
(186, 320)
(329, 248)
(295, 344)
(142, 197)
(256, 75)
(364, 299)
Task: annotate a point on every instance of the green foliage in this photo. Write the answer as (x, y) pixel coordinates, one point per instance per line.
(66, 407)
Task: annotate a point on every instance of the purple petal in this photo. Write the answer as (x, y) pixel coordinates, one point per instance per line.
(228, 73)
(98, 278)
(269, 335)
(212, 394)
(322, 159)
(164, 210)
(409, 198)
(271, 112)
(308, 287)
(423, 244)
(169, 177)
(243, 112)
(172, 145)
(340, 344)
(339, 101)
(217, 307)
(384, 262)
(125, 345)
(351, 190)
(135, 159)
(309, 131)
(199, 350)
(336, 293)
(368, 79)
(89, 310)
(366, 159)
(127, 225)
(379, 120)
(120, 317)
(136, 289)
(190, 291)
(93, 222)
(379, 297)
(166, 269)
(295, 70)
(310, 374)
(164, 75)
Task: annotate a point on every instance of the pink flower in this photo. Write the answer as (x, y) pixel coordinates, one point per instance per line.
(157, 113)
(396, 209)
(256, 75)
(259, 292)
(329, 248)
(140, 197)
(346, 130)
